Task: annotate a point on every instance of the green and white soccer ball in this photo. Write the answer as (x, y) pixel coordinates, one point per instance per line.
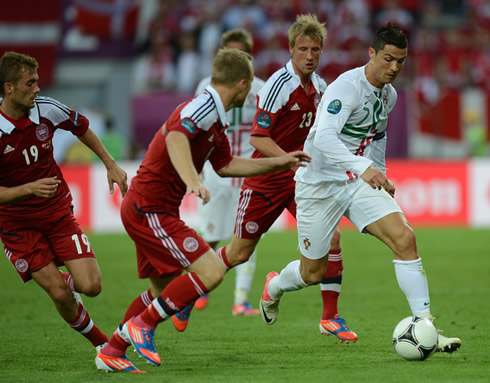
(415, 338)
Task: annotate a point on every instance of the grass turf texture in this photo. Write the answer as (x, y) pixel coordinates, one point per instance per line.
(37, 346)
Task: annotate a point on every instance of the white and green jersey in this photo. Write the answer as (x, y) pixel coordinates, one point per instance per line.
(351, 114)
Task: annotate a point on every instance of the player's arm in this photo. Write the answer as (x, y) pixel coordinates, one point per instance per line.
(378, 155)
(337, 104)
(248, 167)
(267, 146)
(44, 188)
(114, 172)
(179, 151)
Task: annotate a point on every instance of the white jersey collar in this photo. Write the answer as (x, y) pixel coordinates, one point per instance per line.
(219, 105)
(7, 127)
(313, 78)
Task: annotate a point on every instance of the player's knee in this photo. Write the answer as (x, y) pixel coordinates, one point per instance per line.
(406, 247)
(90, 288)
(311, 277)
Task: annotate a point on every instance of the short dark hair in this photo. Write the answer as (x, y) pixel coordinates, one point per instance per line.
(389, 34)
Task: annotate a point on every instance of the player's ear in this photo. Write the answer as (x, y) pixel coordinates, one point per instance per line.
(372, 53)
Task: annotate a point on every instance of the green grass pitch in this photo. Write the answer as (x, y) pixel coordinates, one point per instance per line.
(37, 346)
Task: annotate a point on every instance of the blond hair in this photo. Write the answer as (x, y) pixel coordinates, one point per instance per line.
(230, 66)
(307, 25)
(12, 66)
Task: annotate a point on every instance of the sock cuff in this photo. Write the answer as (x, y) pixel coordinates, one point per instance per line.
(221, 252)
(335, 255)
(412, 262)
(146, 297)
(198, 285)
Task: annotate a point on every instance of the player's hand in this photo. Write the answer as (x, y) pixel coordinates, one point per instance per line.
(45, 187)
(375, 178)
(119, 176)
(294, 160)
(390, 188)
(199, 190)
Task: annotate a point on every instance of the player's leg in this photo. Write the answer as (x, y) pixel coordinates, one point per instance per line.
(112, 357)
(331, 323)
(203, 275)
(243, 283)
(295, 276)
(73, 312)
(86, 276)
(318, 215)
(394, 231)
(390, 226)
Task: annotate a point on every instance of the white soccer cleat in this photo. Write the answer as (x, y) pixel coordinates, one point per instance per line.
(449, 345)
(269, 307)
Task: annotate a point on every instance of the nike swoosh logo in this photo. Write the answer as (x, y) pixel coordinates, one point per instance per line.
(426, 303)
(266, 318)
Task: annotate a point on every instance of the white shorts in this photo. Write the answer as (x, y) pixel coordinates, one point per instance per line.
(217, 217)
(321, 206)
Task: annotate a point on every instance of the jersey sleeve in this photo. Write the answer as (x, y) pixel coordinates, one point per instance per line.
(339, 101)
(181, 120)
(221, 156)
(62, 116)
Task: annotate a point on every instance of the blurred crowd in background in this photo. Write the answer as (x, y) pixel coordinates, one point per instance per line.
(449, 39)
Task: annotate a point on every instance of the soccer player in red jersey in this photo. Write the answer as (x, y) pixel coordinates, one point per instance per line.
(286, 110)
(37, 227)
(165, 245)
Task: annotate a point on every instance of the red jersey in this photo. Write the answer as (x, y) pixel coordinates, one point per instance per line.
(26, 155)
(203, 120)
(285, 113)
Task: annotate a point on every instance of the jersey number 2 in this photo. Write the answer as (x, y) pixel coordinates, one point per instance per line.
(306, 122)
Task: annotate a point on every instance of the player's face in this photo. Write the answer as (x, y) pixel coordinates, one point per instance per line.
(241, 96)
(386, 64)
(22, 93)
(305, 55)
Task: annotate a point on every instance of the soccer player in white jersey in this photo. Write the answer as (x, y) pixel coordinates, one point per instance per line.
(342, 181)
(226, 191)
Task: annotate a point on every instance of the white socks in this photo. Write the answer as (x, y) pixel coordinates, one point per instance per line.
(288, 280)
(244, 276)
(413, 283)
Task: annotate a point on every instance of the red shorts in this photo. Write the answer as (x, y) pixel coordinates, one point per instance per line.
(257, 211)
(165, 246)
(30, 249)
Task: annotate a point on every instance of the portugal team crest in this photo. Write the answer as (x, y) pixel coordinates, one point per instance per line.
(42, 132)
(190, 244)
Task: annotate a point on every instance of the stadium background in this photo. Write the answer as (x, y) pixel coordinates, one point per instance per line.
(126, 64)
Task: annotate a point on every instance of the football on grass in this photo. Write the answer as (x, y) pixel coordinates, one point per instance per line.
(415, 338)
